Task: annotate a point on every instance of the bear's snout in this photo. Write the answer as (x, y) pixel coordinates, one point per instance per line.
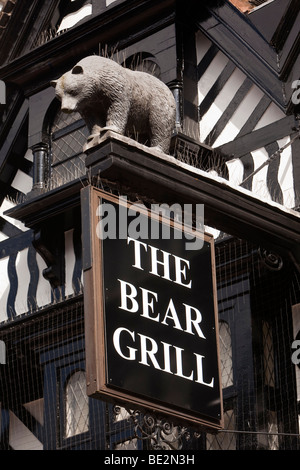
(69, 104)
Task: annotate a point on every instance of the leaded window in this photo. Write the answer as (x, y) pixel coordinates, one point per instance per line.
(225, 354)
(77, 406)
(68, 136)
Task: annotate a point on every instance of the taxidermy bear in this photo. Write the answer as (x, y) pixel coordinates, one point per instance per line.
(111, 97)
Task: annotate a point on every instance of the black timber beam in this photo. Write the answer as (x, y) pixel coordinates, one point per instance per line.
(13, 149)
(259, 138)
(239, 39)
(124, 24)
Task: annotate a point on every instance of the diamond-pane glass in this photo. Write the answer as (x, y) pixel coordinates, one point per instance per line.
(63, 120)
(224, 440)
(69, 145)
(77, 407)
(69, 134)
(269, 371)
(225, 354)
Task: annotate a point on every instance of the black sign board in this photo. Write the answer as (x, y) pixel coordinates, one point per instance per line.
(150, 312)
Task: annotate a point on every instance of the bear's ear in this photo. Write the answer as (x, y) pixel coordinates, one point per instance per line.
(77, 69)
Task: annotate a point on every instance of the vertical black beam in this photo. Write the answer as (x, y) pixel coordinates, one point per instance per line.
(50, 407)
(187, 72)
(4, 427)
(244, 372)
(236, 296)
(296, 169)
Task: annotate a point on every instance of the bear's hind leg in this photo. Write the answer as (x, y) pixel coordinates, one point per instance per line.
(160, 140)
(161, 125)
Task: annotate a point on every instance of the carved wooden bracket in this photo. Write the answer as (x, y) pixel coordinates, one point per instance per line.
(49, 244)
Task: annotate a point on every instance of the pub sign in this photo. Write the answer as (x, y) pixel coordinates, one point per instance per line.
(151, 325)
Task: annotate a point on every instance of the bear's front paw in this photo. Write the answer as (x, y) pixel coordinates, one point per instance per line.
(112, 129)
(91, 141)
(92, 137)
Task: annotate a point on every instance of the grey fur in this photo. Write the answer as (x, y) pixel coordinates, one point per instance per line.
(111, 97)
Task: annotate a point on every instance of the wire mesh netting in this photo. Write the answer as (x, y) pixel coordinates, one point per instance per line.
(68, 135)
(42, 385)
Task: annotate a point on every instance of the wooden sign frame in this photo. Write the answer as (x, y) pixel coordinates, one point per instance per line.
(98, 385)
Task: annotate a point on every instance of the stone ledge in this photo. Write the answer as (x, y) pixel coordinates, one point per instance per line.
(162, 178)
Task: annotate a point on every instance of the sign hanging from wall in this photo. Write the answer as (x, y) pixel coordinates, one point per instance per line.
(150, 311)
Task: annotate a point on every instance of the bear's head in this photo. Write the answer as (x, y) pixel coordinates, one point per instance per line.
(71, 89)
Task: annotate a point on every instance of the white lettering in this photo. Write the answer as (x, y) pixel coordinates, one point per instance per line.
(116, 342)
(148, 306)
(125, 296)
(131, 303)
(165, 263)
(137, 252)
(199, 363)
(181, 271)
(116, 460)
(167, 362)
(179, 365)
(180, 264)
(145, 352)
(173, 316)
(195, 322)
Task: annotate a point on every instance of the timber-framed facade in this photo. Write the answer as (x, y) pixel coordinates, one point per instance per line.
(235, 149)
